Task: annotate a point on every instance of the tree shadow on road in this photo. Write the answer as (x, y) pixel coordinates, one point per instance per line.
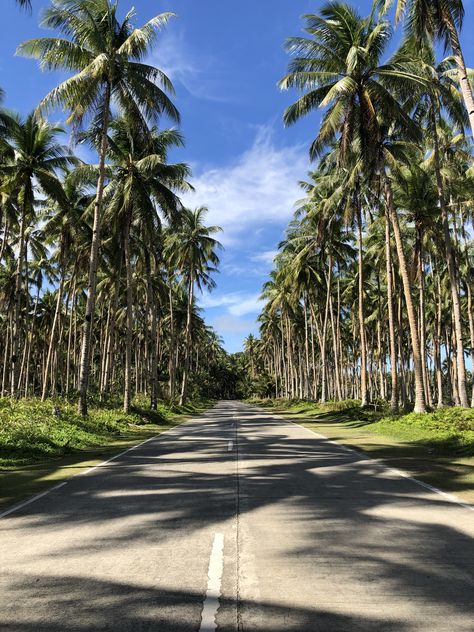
(376, 536)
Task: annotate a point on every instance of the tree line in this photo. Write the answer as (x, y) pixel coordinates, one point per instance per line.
(371, 293)
(99, 263)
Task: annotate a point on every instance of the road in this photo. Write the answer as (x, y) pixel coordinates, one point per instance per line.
(238, 520)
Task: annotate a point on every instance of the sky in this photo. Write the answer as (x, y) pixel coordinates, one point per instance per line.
(225, 58)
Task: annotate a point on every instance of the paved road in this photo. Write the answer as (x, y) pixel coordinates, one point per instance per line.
(247, 516)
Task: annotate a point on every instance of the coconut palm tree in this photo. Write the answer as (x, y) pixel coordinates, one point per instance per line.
(441, 20)
(107, 57)
(191, 248)
(339, 67)
(37, 157)
(141, 183)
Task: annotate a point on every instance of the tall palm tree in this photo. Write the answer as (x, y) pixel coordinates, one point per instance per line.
(142, 182)
(440, 95)
(106, 56)
(37, 157)
(192, 250)
(441, 20)
(339, 66)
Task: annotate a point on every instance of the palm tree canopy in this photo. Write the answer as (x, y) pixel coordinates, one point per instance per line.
(192, 248)
(105, 53)
(339, 67)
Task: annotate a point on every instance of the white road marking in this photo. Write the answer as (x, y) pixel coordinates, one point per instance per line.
(452, 498)
(230, 445)
(31, 500)
(211, 601)
(52, 489)
(134, 447)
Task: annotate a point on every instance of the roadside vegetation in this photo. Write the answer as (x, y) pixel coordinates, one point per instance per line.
(100, 260)
(32, 431)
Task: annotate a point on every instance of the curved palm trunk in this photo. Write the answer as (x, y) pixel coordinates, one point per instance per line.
(172, 353)
(15, 345)
(462, 72)
(51, 339)
(451, 265)
(420, 403)
(363, 342)
(153, 336)
(93, 263)
(187, 343)
(127, 396)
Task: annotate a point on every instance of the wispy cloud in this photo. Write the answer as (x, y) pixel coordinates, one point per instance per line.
(228, 324)
(267, 256)
(259, 188)
(198, 72)
(237, 303)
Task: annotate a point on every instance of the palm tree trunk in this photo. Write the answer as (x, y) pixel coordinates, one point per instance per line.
(437, 344)
(15, 343)
(420, 403)
(93, 264)
(324, 335)
(127, 397)
(462, 72)
(451, 265)
(153, 336)
(172, 344)
(187, 347)
(363, 342)
(51, 339)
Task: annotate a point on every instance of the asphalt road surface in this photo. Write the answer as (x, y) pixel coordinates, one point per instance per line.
(233, 521)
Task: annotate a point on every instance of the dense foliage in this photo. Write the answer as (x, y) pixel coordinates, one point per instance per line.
(99, 262)
(371, 293)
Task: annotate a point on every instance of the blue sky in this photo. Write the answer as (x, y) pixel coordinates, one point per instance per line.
(225, 58)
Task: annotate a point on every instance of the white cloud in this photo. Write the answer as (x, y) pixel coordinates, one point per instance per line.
(227, 324)
(251, 305)
(267, 256)
(258, 189)
(198, 72)
(237, 303)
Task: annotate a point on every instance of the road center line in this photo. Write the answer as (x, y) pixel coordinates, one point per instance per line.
(211, 601)
(230, 445)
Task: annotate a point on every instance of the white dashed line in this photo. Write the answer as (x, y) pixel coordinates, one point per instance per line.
(230, 445)
(211, 601)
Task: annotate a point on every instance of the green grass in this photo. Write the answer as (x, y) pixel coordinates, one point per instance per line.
(37, 447)
(437, 447)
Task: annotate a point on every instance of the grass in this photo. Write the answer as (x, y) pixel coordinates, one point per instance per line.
(437, 447)
(45, 442)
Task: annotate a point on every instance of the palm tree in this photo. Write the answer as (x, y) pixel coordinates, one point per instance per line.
(37, 157)
(192, 250)
(339, 66)
(439, 95)
(441, 20)
(64, 229)
(141, 182)
(106, 55)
